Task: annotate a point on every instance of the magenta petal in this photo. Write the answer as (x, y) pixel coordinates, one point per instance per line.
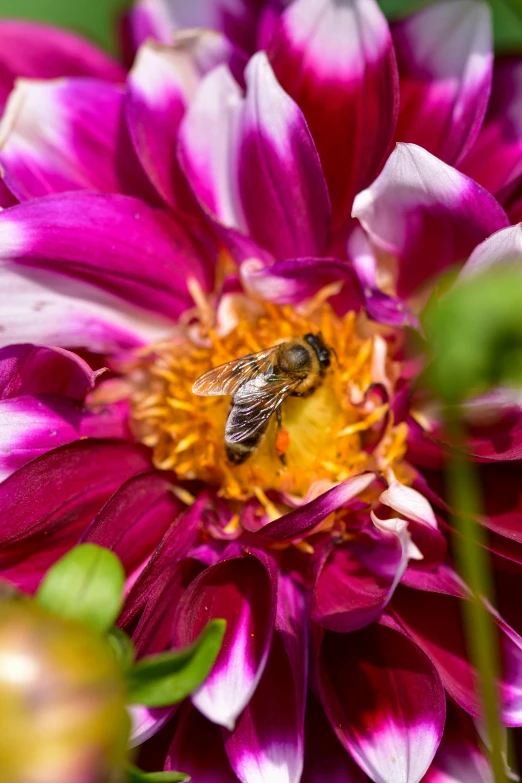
(116, 242)
(495, 160)
(384, 701)
(135, 519)
(147, 721)
(281, 185)
(197, 749)
(336, 60)
(445, 58)
(40, 51)
(356, 580)
(326, 761)
(302, 520)
(426, 214)
(504, 248)
(243, 592)
(46, 505)
(67, 134)
(434, 621)
(267, 742)
(35, 369)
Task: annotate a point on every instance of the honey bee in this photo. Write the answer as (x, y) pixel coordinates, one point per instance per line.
(259, 383)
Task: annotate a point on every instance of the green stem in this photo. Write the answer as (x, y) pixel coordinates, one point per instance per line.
(475, 569)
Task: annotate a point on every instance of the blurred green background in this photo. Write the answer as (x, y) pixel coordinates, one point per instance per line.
(97, 18)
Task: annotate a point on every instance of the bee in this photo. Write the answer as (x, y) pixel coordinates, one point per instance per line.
(259, 383)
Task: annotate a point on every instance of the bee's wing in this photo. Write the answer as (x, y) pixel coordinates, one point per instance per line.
(229, 377)
(253, 406)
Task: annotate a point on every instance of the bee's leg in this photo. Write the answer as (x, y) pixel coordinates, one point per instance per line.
(281, 444)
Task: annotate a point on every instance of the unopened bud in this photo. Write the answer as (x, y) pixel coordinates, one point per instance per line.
(62, 700)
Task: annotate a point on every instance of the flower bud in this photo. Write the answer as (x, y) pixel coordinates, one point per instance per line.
(62, 700)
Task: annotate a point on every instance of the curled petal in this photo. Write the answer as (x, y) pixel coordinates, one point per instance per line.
(135, 519)
(422, 523)
(268, 743)
(116, 242)
(39, 51)
(35, 369)
(335, 58)
(46, 307)
(289, 282)
(495, 160)
(384, 700)
(426, 214)
(445, 58)
(357, 579)
(30, 426)
(67, 134)
(280, 182)
(428, 617)
(302, 520)
(194, 733)
(242, 591)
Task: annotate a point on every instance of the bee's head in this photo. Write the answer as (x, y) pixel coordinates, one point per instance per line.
(323, 352)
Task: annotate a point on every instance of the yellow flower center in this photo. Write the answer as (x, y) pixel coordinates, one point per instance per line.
(344, 427)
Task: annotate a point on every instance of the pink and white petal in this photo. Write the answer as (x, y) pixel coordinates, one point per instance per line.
(135, 519)
(428, 617)
(267, 744)
(384, 700)
(193, 734)
(31, 426)
(67, 134)
(42, 306)
(325, 757)
(302, 520)
(242, 591)
(503, 247)
(422, 522)
(495, 160)
(161, 84)
(146, 722)
(39, 51)
(460, 756)
(117, 243)
(39, 369)
(445, 58)
(336, 60)
(280, 181)
(426, 214)
(209, 160)
(356, 580)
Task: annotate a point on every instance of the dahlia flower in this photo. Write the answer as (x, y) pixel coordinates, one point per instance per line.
(243, 188)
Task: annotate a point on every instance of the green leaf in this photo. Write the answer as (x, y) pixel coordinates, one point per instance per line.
(475, 335)
(122, 647)
(135, 775)
(86, 584)
(162, 680)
